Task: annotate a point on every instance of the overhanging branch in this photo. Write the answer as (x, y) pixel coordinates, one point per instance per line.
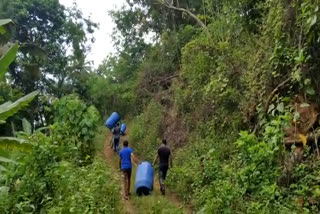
(204, 27)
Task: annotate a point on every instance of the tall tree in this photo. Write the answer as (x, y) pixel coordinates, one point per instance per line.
(54, 41)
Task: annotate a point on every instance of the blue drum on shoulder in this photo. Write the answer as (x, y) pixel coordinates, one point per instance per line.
(112, 120)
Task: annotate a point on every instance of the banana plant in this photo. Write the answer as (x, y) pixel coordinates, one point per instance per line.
(8, 53)
(6, 26)
(27, 129)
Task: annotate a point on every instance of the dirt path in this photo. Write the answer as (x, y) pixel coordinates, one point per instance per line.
(136, 204)
(172, 197)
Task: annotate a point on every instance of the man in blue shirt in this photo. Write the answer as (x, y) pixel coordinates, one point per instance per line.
(125, 164)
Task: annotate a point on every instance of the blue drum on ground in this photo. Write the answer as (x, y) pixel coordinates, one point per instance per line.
(144, 178)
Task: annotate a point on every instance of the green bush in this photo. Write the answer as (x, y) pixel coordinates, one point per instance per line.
(109, 95)
(100, 138)
(50, 180)
(79, 123)
(144, 133)
(90, 189)
(53, 177)
(245, 176)
(190, 176)
(186, 168)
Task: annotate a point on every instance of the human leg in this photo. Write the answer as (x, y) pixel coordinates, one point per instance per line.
(111, 143)
(125, 182)
(129, 181)
(162, 176)
(116, 145)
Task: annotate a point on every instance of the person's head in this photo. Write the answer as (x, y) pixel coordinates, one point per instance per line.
(164, 141)
(125, 143)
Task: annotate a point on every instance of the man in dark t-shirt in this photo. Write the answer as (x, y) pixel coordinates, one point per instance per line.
(164, 155)
(116, 137)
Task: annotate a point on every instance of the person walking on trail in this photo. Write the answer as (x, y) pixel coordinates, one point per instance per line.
(116, 137)
(125, 164)
(164, 154)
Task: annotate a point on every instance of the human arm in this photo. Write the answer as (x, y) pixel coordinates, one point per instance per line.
(170, 159)
(155, 159)
(134, 159)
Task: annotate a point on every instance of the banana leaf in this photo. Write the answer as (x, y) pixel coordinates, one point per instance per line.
(8, 109)
(15, 144)
(7, 160)
(6, 27)
(7, 59)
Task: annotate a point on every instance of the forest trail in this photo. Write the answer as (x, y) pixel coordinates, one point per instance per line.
(143, 204)
(173, 198)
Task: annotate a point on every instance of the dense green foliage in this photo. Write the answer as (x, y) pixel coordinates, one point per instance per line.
(52, 169)
(232, 84)
(230, 100)
(145, 138)
(77, 122)
(50, 178)
(9, 108)
(107, 93)
(53, 43)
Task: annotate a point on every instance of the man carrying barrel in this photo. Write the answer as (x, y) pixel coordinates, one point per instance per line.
(116, 137)
(125, 163)
(164, 154)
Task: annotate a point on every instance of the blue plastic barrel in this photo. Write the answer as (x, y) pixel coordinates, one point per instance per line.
(123, 128)
(112, 120)
(144, 179)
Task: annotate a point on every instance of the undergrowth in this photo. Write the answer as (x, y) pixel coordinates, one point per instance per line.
(144, 131)
(62, 173)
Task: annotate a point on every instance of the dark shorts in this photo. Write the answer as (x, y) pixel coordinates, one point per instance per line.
(127, 173)
(116, 144)
(116, 140)
(163, 169)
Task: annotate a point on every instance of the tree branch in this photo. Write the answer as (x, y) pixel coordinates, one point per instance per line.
(282, 84)
(165, 79)
(204, 27)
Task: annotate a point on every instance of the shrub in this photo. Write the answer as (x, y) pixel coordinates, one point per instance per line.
(90, 189)
(145, 130)
(53, 177)
(79, 123)
(49, 180)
